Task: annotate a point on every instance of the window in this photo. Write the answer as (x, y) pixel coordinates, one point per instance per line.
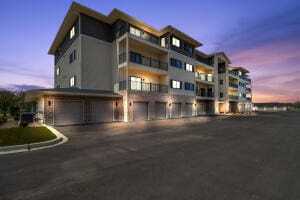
(73, 56)
(175, 84)
(221, 94)
(135, 83)
(189, 67)
(72, 81)
(135, 57)
(175, 42)
(221, 82)
(189, 86)
(135, 31)
(188, 48)
(57, 71)
(72, 32)
(163, 42)
(176, 63)
(240, 94)
(240, 73)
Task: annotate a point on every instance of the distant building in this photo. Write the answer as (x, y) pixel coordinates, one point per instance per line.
(269, 107)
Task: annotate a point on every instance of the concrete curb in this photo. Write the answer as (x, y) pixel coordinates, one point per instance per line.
(60, 139)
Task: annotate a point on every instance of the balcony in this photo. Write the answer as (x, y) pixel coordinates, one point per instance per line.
(208, 62)
(234, 73)
(142, 60)
(143, 87)
(204, 94)
(248, 99)
(122, 58)
(248, 90)
(233, 85)
(204, 77)
(242, 77)
(233, 97)
(248, 80)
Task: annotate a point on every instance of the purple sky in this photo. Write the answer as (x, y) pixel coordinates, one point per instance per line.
(262, 36)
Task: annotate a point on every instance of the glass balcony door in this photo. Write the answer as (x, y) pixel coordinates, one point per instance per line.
(135, 83)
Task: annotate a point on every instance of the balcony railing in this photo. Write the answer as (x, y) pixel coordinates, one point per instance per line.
(203, 93)
(233, 97)
(242, 77)
(248, 99)
(208, 62)
(234, 73)
(204, 77)
(248, 80)
(138, 58)
(248, 89)
(122, 58)
(234, 85)
(143, 86)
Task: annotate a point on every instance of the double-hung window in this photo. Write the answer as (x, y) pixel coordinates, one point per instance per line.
(175, 42)
(175, 84)
(72, 81)
(189, 67)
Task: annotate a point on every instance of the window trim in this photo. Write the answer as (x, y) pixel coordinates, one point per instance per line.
(175, 84)
(135, 31)
(189, 67)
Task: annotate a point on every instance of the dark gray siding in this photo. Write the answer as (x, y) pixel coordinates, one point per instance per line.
(66, 43)
(95, 28)
(181, 49)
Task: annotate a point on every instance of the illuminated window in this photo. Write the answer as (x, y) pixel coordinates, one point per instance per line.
(175, 84)
(72, 81)
(163, 42)
(57, 71)
(240, 73)
(135, 83)
(72, 32)
(135, 31)
(175, 42)
(188, 67)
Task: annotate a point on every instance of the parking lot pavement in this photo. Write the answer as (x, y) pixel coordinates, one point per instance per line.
(230, 157)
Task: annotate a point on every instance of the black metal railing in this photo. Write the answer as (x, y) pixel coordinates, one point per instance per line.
(122, 58)
(203, 93)
(208, 62)
(204, 77)
(234, 73)
(248, 80)
(233, 97)
(234, 85)
(248, 89)
(242, 77)
(248, 98)
(140, 59)
(143, 86)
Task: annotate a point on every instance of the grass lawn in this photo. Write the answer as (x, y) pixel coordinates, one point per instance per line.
(15, 136)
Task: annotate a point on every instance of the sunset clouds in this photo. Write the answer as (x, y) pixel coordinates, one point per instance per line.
(262, 36)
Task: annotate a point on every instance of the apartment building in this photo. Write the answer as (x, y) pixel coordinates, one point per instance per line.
(117, 68)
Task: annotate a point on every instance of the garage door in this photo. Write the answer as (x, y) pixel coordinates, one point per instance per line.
(176, 110)
(201, 108)
(68, 112)
(140, 111)
(102, 111)
(160, 110)
(188, 109)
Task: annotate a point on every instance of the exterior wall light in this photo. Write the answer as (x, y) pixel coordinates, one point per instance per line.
(130, 104)
(116, 104)
(49, 103)
(170, 104)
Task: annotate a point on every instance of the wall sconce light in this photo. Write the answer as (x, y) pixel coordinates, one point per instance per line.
(195, 105)
(49, 103)
(116, 104)
(130, 104)
(170, 104)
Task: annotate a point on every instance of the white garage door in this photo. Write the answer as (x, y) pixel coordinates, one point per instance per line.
(140, 111)
(102, 111)
(188, 109)
(160, 110)
(176, 110)
(68, 112)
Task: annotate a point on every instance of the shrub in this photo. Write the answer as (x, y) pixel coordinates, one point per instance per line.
(17, 117)
(3, 120)
(23, 124)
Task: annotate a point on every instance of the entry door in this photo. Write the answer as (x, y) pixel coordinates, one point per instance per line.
(135, 83)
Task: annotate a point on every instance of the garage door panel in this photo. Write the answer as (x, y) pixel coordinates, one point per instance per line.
(189, 110)
(160, 110)
(176, 110)
(102, 111)
(68, 112)
(140, 111)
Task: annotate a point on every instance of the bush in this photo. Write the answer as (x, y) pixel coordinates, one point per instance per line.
(3, 120)
(17, 117)
(23, 124)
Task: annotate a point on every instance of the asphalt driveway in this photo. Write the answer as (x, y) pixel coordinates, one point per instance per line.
(253, 157)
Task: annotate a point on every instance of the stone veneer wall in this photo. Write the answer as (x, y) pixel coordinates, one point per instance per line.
(49, 107)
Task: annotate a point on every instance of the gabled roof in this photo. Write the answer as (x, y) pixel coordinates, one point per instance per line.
(76, 8)
(223, 54)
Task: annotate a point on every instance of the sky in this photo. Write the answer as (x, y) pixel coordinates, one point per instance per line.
(260, 35)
